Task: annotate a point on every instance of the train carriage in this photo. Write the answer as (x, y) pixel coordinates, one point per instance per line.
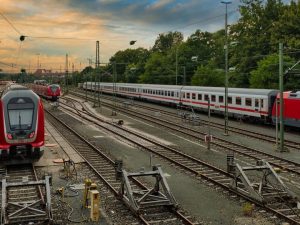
(21, 124)
(48, 91)
(244, 103)
(161, 93)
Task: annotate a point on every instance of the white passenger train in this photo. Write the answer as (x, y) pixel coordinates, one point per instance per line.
(245, 103)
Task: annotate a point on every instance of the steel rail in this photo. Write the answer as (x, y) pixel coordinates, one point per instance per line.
(179, 215)
(256, 135)
(189, 169)
(256, 154)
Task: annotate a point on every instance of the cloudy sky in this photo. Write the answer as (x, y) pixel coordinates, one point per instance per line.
(57, 27)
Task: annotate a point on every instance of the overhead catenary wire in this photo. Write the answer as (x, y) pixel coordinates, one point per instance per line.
(10, 23)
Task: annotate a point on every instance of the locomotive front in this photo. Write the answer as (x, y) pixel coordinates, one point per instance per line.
(53, 91)
(22, 123)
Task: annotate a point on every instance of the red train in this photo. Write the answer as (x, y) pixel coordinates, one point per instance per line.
(48, 91)
(21, 124)
(291, 110)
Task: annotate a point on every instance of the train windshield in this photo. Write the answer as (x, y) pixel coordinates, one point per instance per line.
(20, 113)
(54, 87)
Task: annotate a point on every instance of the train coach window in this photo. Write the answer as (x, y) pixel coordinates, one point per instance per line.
(199, 96)
(256, 103)
(238, 100)
(248, 102)
(213, 98)
(172, 93)
(221, 99)
(229, 100)
(206, 97)
(188, 95)
(183, 95)
(193, 96)
(261, 103)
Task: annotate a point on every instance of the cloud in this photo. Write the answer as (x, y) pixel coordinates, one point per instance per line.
(113, 22)
(159, 4)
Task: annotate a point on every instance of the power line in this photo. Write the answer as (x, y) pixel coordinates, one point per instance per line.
(10, 23)
(205, 20)
(65, 38)
(9, 65)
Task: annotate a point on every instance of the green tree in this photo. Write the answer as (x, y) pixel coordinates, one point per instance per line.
(208, 76)
(158, 70)
(287, 29)
(167, 41)
(126, 57)
(267, 73)
(253, 32)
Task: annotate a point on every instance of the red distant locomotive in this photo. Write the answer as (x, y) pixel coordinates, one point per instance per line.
(291, 110)
(21, 124)
(48, 91)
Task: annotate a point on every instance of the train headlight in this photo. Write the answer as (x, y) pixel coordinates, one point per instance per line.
(31, 134)
(9, 136)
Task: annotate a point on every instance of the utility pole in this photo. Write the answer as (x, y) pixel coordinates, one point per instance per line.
(97, 66)
(176, 64)
(209, 133)
(281, 97)
(38, 61)
(184, 76)
(114, 113)
(97, 63)
(67, 72)
(226, 70)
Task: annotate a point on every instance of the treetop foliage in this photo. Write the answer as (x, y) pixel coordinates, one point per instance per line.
(253, 52)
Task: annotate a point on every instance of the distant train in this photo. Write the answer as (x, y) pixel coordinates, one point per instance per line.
(48, 91)
(244, 103)
(21, 124)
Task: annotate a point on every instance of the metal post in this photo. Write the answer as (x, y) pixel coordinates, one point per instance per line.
(184, 76)
(276, 108)
(114, 88)
(281, 97)
(209, 135)
(94, 105)
(176, 63)
(226, 71)
(86, 87)
(99, 88)
(67, 72)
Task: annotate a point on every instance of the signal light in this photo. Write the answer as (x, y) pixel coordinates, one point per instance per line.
(31, 134)
(9, 136)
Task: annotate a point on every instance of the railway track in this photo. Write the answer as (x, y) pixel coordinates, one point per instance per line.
(255, 135)
(104, 167)
(189, 164)
(23, 200)
(251, 154)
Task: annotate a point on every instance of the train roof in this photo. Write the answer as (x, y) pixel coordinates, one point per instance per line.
(17, 90)
(17, 87)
